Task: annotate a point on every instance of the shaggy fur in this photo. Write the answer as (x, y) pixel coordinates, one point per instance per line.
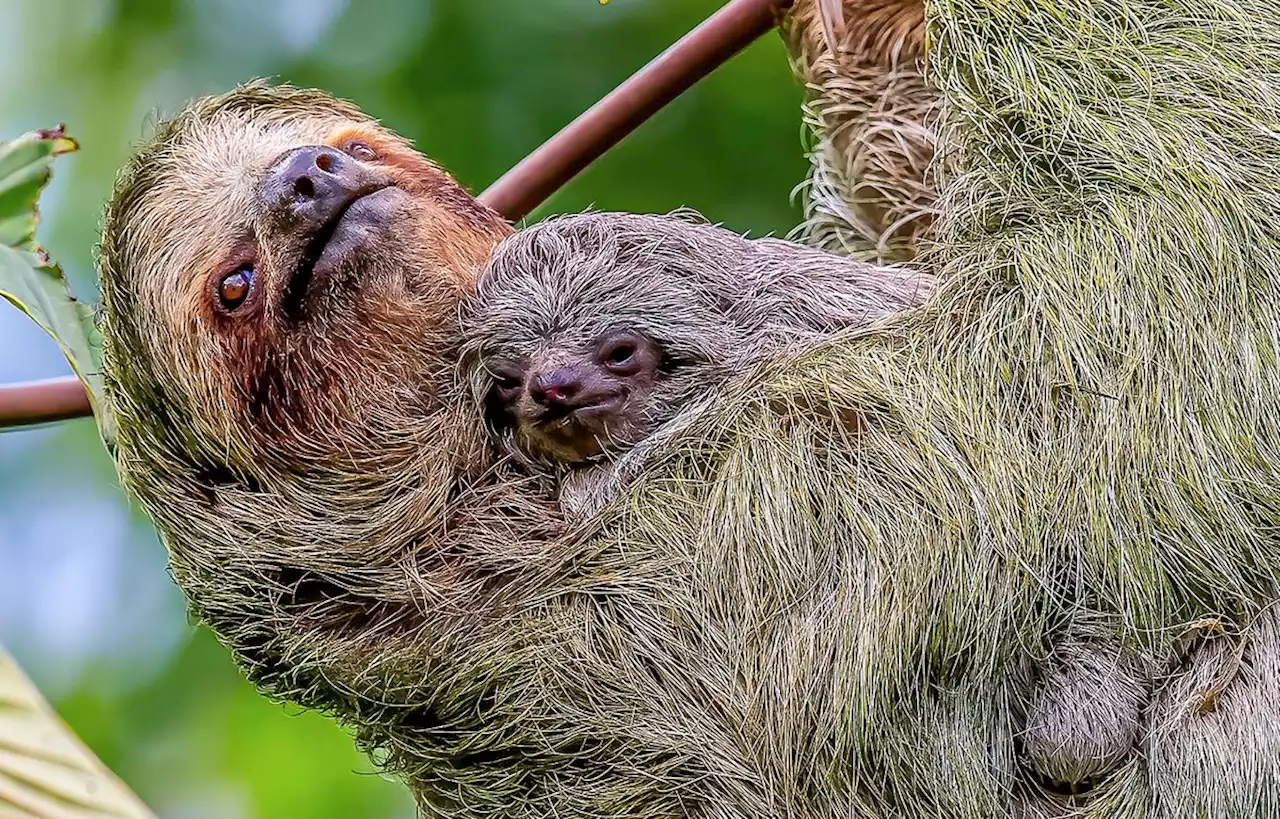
(718, 304)
(827, 598)
(1082, 713)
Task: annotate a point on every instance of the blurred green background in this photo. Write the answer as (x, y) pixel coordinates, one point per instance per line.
(85, 603)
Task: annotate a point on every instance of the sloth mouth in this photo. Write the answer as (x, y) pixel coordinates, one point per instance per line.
(562, 416)
(334, 244)
(579, 434)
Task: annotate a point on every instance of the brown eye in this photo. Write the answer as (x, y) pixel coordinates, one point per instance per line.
(235, 286)
(361, 151)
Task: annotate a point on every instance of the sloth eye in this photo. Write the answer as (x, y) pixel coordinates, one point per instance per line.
(360, 150)
(620, 354)
(235, 286)
(625, 353)
(507, 381)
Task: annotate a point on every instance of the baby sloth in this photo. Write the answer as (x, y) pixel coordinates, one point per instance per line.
(594, 337)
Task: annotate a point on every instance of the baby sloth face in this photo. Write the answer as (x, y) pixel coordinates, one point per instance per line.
(588, 333)
(569, 403)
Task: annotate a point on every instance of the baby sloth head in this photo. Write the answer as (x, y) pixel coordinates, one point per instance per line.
(589, 331)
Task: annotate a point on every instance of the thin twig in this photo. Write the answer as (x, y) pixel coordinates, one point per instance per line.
(535, 178)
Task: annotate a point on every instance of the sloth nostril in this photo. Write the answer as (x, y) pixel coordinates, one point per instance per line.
(559, 389)
(325, 162)
(304, 187)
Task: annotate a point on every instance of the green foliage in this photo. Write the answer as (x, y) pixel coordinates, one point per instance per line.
(44, 769)
(28, 279)
(198, 734)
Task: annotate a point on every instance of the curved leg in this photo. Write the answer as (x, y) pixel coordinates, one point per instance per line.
(873, 116)
(1085, 714)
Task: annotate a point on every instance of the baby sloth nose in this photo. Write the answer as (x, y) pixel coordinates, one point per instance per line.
(558, 389)
(312, 185)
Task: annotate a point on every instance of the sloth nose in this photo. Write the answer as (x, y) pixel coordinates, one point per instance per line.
(559, 389)
(310, 186)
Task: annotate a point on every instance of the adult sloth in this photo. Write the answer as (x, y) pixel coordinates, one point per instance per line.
(824, 600)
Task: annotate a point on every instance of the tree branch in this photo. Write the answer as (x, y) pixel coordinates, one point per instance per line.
(40, 402)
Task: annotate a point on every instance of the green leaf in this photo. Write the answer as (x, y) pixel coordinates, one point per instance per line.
(46, 772)
(24, 171)
(28, 279)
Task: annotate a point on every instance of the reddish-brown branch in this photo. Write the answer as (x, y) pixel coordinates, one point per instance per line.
(529, 183)
(604, 124)
(39, 402)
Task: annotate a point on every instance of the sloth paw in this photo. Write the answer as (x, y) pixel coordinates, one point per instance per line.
(1084, 715)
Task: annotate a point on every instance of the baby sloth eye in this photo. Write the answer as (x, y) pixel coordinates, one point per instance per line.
(621, 353)
(625, 353)
(235, 286)
(360, 150)
(507, 381)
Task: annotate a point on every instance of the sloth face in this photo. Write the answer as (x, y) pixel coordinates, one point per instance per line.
(281, 256)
